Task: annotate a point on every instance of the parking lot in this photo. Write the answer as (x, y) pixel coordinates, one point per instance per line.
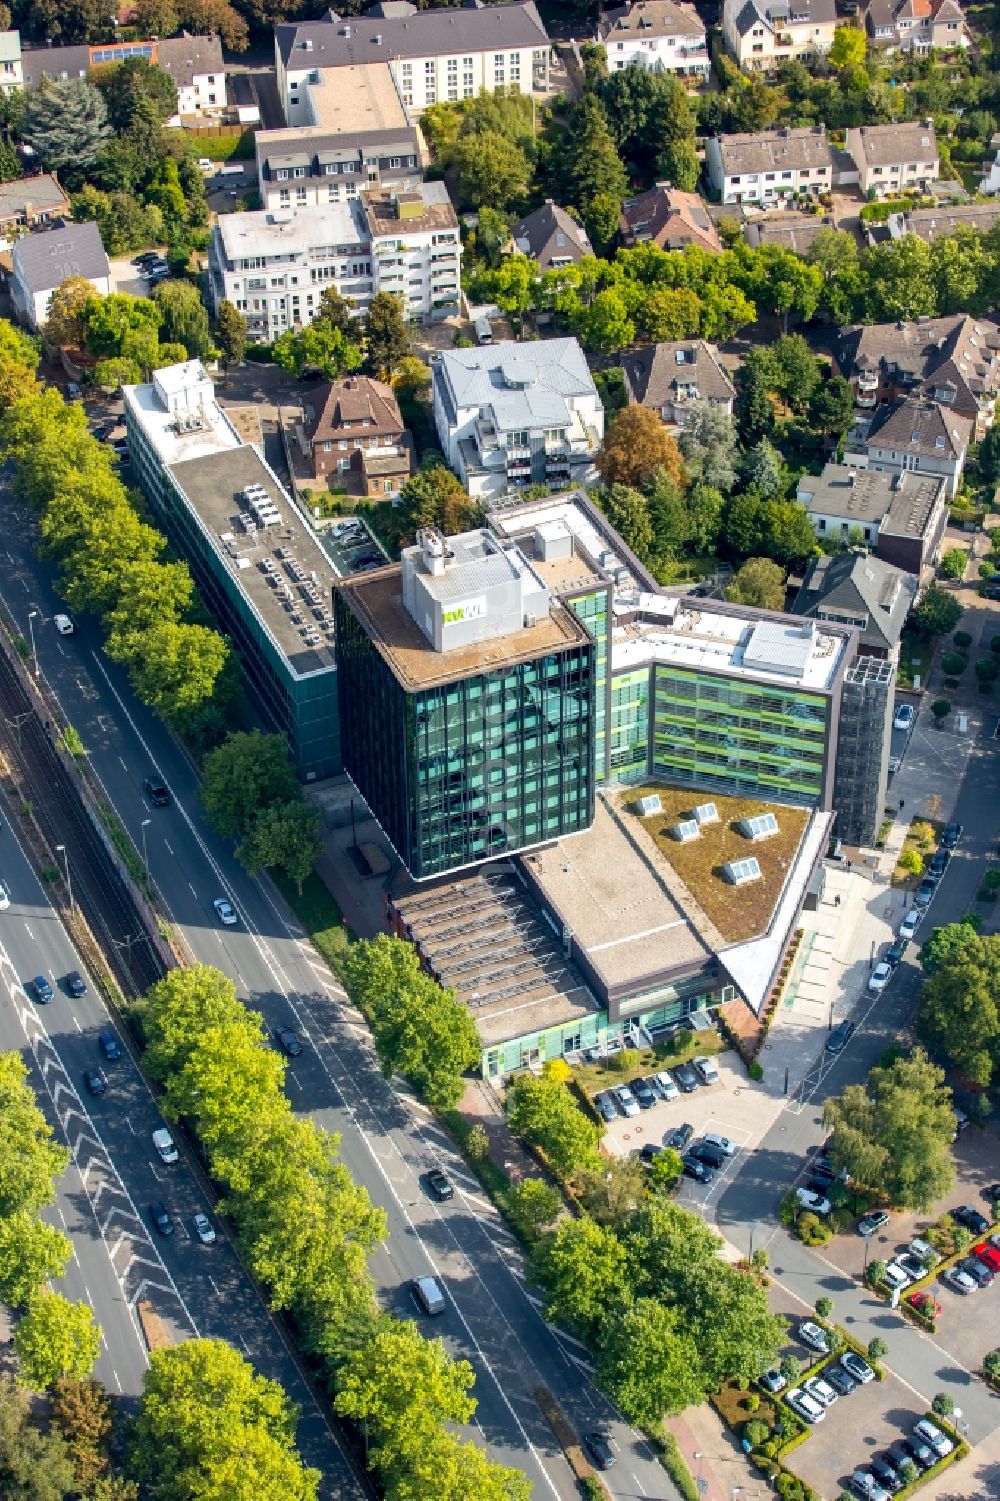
(346, 553)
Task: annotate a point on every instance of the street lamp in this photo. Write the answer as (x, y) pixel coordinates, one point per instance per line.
(17, 722)
(753, 1231)
(61, 848)
(144, 825)
(31, 633)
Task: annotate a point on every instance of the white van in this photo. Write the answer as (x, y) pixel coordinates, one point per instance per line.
(428, 1295)
(164, 1144)
(483, 331)
(231, 169)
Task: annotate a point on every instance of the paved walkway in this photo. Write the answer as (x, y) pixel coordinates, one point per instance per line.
(714, 1457)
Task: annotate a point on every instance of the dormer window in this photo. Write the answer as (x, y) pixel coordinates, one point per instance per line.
(282, 174)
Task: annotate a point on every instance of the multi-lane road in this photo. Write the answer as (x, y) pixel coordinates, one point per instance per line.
(388, 1140)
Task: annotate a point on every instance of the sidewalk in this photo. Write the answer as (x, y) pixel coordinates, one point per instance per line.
(715, 1458)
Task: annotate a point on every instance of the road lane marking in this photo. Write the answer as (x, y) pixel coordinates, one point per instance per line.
(214, 1287)
(76, 1023)
(169, 850)
(29, 932)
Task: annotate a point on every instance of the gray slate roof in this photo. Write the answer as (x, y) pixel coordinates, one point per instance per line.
(312, 147)
(930, 224)
(859, 584)
(431, 33)
(525, 385)
(650, 18)
(653, 374)
(775, 150)
(47, 258)
(778, 15)
(42, 192)
(186, 58)
(920, 427)
(55, 62)
(933, 354)
(902, 504)
(549, 233)
(894, 145)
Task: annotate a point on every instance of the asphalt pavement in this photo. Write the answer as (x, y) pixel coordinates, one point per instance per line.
(388, 1140)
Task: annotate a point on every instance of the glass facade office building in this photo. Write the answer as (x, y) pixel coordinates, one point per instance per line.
(470, 769)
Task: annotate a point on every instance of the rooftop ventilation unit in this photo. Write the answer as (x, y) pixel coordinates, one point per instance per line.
(685, 831)
(647, 806)
(762, 826)
(741, 872)
(190, 422)
(705, 813)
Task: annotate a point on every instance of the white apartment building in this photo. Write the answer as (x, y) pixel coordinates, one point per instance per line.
(431, 55)
(512, 414)
(890, 158)
(11, 70)
(309, 167)
(661, 35)
(767, 166)
(275, 266)
(763, 33)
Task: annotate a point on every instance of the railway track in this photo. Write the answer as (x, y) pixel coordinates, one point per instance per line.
(59, 812)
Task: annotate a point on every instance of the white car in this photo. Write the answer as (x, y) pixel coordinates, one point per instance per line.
(814, 1203)
(627, 1102)
(879, 978)
(812, 1335)
(63, 625)
(910, 923)
(931, 1434)
(895, 1277)
(904, 717)
(203, 1228)
(821, 1390)
(206, 164)
(722, 1143)
(707, 1069)
(807, 1407)
(665, 1084)
(164, 1144)
(4, 898)
(959, 1280)
(224, 912)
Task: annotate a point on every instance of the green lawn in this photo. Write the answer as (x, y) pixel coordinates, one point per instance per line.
(320, 916)
(915, 656)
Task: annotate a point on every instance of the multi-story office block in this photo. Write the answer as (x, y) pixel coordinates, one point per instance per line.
(259, 568)
(467, 703)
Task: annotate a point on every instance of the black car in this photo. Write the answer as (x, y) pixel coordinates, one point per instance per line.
(95, 1081)
(439, 1184)
(649, 1151)
(109, 1044)
(840, 1037)
(161, 1219)
(841, 1380)
(679, 1137)
(939, 864)
(605, 1106)
(288, 1041)
(885, 1473)
(966, 1215)
(696, 1169)
(951, 836)
(157, 791)
(924, 894)
(598, 1446)
(711, 1155)
(896, 954)
(74, 983)
(922, 1455)
(687, 1078)
(645, 1096)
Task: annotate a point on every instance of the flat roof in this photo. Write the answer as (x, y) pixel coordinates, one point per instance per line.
(359, 97)
(436, 211)
(281, 570)
(376, 599)
(630, 917)
(217, 433)
(266, 232)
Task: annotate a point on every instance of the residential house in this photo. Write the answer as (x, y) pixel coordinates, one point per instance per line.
(550, 236)
(795, 232)
(660, 35)
(510, 415)
(892, 158)
(275, 266)
(917, 435)
(856, 589)
(11, 68)
(760, 34)
(990, 181)
(915, 26)
(311, 166)
(43, 261)
(901, 517)
(194, 63)
(431, 55)
(929, 224)
(953, 360)
(30, 201)
(353, 430)
(766, 166)
(668, 218)
(670, 378)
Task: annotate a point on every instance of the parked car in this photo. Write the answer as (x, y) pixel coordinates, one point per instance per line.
(864, 1484)
(598, 1446)
(910, 923)
(706, 1152)
(960, 1280)
(896, 953)
(288, 1041)
(895, 1277)
(686, 1078)
(643, 1093)
(929, 1433)
(225, 912)
(859, 1369)
(95, 1081)
(879, 978)
(988, 1254)
(869, 1224)
(840, 1037)
(696, 1169)
(626, 1101)
(42, 989)
(912, 1266)
(813, 1202)
(817, 1387)
(161, 1219)
(439, 1185)
(951, 836)
(977, 1270)
(922, 1454)
(904, 717)
(679, 1137)
(604, 1104)
(806, 1406)
(939, 864)
(923, 1249)
(706, 1069)
(109, 1044)
(649, 1151)
(664, 1083)
(885, 1473)
(773, 1381)
(203, 1228)
(4, 898)
(74, 984)
(924, 894)
(812, 1335)
(926, 1303)
(841, 1379)
(971, 1218)
(713, 1139)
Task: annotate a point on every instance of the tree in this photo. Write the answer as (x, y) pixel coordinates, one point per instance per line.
(81, 1412)
(850, 46)
(420, 1030)
(894, 1132)
(31, 1254)
(939, 612)
(954, 941)
(319, 346)
(629, 513)
(208, 1425)
(613, 1190)
(10, 162)
(592, 169)
(544, 1113)
(705, 506)
(606, 323)
(650, 1363)
(386, 339)
(942, 1404)
(954, 563)
(128, 85)
(399, 1383)
(831, 408)
(959, 1009)
(759, 582)
(491, 170)
(55, 1338)
(665, 1168)
(66, 124)
(111, 322)
(532, 1204)
(911, 861)
(219, 18)
(940, 708)
(669, 313)
(989, 456)
(434, 496)
(66, 325)
(581, 1266)
(286, 835)
(177, 675)
(30, 1160)
(512, 285)
(727, 1315)
(824, 1307)
(635, 447)
(185, 319)
(791, 1369)
(795, 371)
(762, 470)
(251, 771)
(155, 18)
(34, 1465)
(755, 414)
(709, 445)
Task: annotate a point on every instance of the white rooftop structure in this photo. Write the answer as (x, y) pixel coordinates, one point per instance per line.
(284, 232)
(179, 414)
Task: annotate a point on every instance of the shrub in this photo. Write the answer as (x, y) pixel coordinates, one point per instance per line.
(953, 564)
(943, 1405)
(962, 640)
(824, 1307)
(875, 1274)
(940, 708)
(991, 1367)
(995, 645)
(877, 1350)
(756, 1431)
(756, 1071)
(752, 1402)
(987, 670)
(954, 663)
